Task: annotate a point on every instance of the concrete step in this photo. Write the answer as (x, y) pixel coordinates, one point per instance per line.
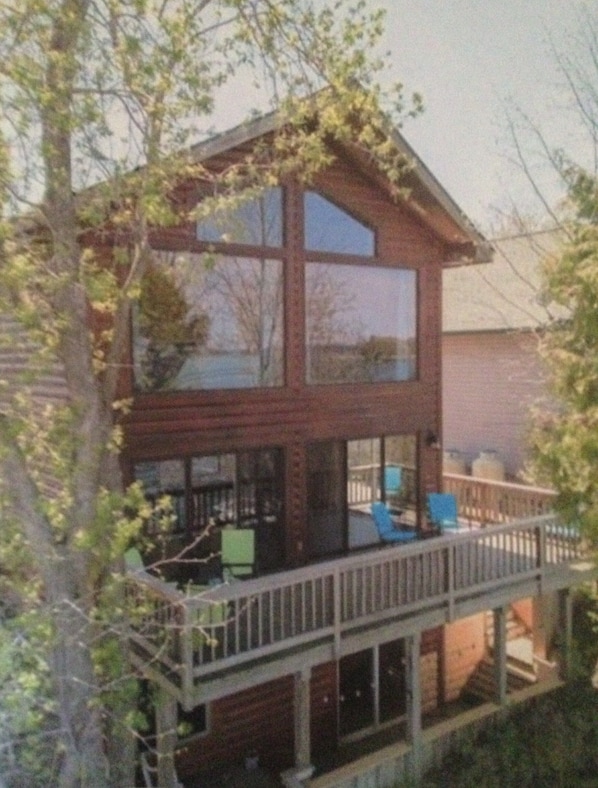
(515, 627)
(482, 683)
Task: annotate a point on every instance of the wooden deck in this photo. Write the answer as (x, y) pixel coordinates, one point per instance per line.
(193, 644)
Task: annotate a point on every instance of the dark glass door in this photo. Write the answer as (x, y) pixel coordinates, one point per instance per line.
(326, 498)
(391, 671)
(260, 485)
(356, 692)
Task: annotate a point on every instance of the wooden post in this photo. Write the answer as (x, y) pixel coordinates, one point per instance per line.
(166, 737)
(565, 598)
(414, 703)
(302, 719)
(545, 626)
(500, 654)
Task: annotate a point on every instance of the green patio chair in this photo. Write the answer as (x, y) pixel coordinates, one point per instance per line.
(237, 552)
(133, 560)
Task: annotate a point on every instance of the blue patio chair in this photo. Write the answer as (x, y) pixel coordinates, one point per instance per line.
(442, 511)
(393, 481)
(386, 528)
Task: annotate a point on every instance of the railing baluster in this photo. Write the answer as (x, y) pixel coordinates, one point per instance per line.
(262, 614)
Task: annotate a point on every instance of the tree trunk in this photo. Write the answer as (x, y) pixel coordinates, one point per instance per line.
(79, 706)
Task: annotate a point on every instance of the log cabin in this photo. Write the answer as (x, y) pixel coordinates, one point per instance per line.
(285, 374)
(311, 390)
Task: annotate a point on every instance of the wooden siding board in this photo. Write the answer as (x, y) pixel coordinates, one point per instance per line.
(257, 720)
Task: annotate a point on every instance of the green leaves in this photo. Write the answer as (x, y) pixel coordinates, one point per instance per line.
(565, 442)
(100, 100)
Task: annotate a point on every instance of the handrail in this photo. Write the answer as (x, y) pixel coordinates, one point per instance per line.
(484, 501)
(191, 637)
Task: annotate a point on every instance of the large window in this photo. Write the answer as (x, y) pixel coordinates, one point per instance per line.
(215, 319)
(360, 323)
(209, 322)
(239, 490)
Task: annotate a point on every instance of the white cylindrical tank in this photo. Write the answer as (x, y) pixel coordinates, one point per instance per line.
(453, 462)
(488, 465)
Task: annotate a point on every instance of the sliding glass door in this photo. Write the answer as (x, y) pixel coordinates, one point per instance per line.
(372, 689)
(344, 478)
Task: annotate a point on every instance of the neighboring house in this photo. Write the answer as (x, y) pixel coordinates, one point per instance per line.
(492, 373)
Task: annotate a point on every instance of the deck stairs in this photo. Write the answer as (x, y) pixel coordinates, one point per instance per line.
(520, 665)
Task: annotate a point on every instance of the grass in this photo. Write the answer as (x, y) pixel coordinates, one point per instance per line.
(552, 742)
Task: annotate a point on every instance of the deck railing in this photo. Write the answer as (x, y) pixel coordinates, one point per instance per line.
(188, 638)
(484, 501)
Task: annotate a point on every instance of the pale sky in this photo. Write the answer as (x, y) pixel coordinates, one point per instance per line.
(471, 60)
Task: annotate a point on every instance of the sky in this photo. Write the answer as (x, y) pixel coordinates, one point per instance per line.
(474, 61)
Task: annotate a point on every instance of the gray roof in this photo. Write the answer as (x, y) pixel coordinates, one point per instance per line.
(501, 295)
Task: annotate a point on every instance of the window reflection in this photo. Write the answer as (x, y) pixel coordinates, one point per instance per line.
(380, 469)
(257, 222)
(328, 228)
(213, 322)
(360, 323)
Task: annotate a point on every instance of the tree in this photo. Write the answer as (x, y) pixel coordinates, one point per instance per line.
(170, 333)
(564, 440)
(100, 99)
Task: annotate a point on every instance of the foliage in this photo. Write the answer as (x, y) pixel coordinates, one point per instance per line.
(171, 334)
(101, 100)
(585, 633)
(565, 440)
(550, 743)
(27, 715)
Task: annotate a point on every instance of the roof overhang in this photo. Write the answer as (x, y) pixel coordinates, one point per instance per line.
(420, 192)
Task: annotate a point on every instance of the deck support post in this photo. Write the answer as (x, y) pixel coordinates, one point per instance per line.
(302, 719)
(166, 737)
(500, 654)
(414, 703)
(565, 602)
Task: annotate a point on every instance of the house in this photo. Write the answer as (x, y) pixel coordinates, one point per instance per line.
(284, 374)
(492, 373)
(314, 368)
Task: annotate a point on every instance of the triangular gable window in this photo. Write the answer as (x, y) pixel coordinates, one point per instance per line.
(329, 228)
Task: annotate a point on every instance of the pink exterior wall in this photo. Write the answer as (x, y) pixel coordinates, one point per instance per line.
(490, 380)
(464, 647)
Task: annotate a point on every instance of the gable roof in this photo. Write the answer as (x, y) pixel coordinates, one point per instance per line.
(504, 295)
(427, 198)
